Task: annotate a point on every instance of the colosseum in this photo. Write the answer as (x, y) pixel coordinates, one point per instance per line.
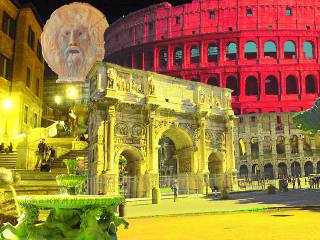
(266, 51)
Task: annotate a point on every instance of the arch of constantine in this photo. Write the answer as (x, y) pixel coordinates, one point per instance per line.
(152, 130)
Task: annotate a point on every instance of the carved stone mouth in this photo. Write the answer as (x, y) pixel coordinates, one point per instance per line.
(73, 51)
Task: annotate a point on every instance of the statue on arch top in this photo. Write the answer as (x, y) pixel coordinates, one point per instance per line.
(73, 41)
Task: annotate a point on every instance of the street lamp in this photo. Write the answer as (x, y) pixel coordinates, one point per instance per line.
(7, 104)
(57, 99)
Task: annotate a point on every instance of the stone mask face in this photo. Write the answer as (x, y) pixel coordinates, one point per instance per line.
(74, 44)
(73, 40)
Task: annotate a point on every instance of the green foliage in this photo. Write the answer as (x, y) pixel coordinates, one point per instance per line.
(308, 120)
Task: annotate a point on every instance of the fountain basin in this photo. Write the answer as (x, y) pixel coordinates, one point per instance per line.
(70, 201)
(70, 180)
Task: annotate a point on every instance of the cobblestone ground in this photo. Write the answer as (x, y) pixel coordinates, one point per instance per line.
(238, 201)
(269, 225)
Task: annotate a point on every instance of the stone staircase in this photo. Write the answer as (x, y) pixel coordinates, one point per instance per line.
(8, 160)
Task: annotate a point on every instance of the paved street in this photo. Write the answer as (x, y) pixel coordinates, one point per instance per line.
(238, 201)
(266, 225)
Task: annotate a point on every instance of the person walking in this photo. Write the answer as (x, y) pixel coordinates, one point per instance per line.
(52, 155)
(293, 183)
(299, 183)
(175, 191)
(41, 153)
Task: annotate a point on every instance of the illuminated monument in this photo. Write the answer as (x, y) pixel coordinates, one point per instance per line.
(132, 111)
(73, 40)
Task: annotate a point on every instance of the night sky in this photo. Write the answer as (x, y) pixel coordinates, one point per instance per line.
(113, 9)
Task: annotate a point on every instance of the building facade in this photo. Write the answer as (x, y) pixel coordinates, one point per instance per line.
(270, 146)
(266, 51)
(135, 115)
(21, 69)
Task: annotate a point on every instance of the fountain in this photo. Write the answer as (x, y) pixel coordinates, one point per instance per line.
(71, 216)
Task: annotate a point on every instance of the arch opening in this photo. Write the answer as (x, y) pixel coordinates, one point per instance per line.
(282, 170)
(308, 168)
(308, 50)
(178, 56)
(271, 85)
(270, 50)
(195, 54)
(129, 163)
(213, 52)
(231, 51)
(252, 87)
(291, 85)
(234, 84)
(214, 81)
(289, 50)
(244, 171)
(250, 50)
(163, 58)
(310, 84)
(296, 169)
(268, 171)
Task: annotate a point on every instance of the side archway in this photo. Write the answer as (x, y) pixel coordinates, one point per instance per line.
(129, 161)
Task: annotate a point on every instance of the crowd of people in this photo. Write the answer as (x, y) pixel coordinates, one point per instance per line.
(6, 149)
(46, 156)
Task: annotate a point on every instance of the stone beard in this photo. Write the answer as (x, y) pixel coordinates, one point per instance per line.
(73, 40)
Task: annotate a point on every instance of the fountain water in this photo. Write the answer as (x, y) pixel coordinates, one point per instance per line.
(71, 216)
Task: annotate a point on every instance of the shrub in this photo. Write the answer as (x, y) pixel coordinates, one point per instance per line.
(271, 189)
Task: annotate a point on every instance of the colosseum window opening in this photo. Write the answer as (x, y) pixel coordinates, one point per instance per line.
(268, 171)
(233, 84)
(138, 60)
(289, 50)
(195, 54)
(128, 61)
(250, 50)
(213, 52)
(308, 50)
(214, 81)
(270, 50)
(267, 145)
(271, 85)
(211, 14)
(308, 168)
(178, 56)
(249, 12)
(254, 144)
(282, 170)
(295, 169)
(294, 144)
(280, 147)
(177, 20)
(288, 12)
(291, 85)
(251, 86)
(310, 84)
(148, 59)
(163, 57)
(243, 171)
(231, 53)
